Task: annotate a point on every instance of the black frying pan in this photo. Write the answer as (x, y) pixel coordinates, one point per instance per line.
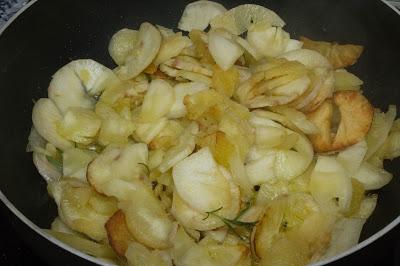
(49, 34)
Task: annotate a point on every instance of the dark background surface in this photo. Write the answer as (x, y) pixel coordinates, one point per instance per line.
(84, 34)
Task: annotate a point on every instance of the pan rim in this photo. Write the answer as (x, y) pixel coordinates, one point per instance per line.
(98, 261)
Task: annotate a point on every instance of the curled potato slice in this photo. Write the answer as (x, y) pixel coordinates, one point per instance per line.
(237, 20)
(45, 118)
(146, 219)
(121, 44)
(309, 58)
(197, 15)
(82, 208)
(275, 83)
(74, 84)
(356, 118)
(144, 51)
(338, 55)
(118, 233)
(199, 174)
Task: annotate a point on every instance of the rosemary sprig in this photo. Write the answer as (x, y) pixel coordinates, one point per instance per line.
(233, 223)
(212, 212)
(147, 168)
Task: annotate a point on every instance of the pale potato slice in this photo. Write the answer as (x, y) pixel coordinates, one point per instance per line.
(114, 127)
(82, 208)
(372, 177)
(223, 49)
(157, 102)
(45, 118)
(79, 125)
(146, 132)
(292, 231)
(190, 218)
(75, 83)
(121, 44)
(185, 146)
(75, 162)
(187, 63)
(197, 15)
(171, 46)
(199, 174)
(46, 169)
(345, 235)
(237, 20)
(126, 163)
(352, 157)
(380, 127)
(118, 233)
(146, 219)
(137, 254)
(178, 109)
(143, 52)
(269, 41)
(298, 118)
(309, 58)
(84, 245)
(345, 80)
(330, 185)
(214, 254)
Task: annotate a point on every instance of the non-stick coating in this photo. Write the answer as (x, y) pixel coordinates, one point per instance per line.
(51, 33)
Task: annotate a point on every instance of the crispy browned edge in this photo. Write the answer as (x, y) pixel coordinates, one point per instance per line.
(118, 234)
(356, 118)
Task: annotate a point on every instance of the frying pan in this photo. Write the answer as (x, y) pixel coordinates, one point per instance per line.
(46, 34)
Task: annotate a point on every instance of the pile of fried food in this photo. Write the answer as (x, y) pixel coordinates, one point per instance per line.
(232, 146)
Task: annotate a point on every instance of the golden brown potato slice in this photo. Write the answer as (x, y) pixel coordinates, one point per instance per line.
(356, 118)
(339, 55)
(356, 115)
(118, 234)
(321, 117)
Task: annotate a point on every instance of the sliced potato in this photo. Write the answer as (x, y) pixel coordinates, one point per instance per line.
(199, 174)
(121, 44)
(45, 118)
(79, 125)
(338, 55)
(223, 49)
(157, 102)
(85, 245)
(126, 163)
(118, 233)
(197, 15)
(144, 51)
(237, 20)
